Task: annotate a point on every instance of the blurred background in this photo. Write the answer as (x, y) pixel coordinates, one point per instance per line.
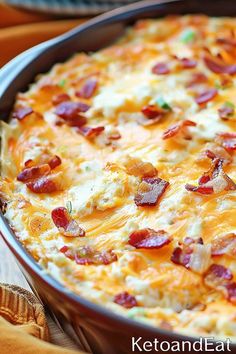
(25, 23)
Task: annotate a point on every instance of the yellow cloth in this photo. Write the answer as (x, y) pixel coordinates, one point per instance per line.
(23, 325)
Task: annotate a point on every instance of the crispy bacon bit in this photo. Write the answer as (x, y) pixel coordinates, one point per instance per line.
(226, 111)
(22, 112)
(180, 257)
(231, 292)
(218, 66)
(136, 167)
(213, 181)
(188, 63)
(177, 128)
(67, 226)
(220, 278)
(150, 191)
(88, 256)
(217, 275)
(152, 111)
(70, 112)
(199, 189)
(192, 254)
(32, 173)
(211, 155)
(61, 97)
(225, 245)
(44, 184)
(67, 252)
(126, 300)
(90, 132)
(54, 162)
(227, 140)
(149, 239)
(88, 89)
(160, 69)
(45, 158)
(197, 78)
(206, 96)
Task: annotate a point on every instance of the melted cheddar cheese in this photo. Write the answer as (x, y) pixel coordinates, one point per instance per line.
(157, 65)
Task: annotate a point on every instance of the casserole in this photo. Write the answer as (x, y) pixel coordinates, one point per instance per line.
(87, 333)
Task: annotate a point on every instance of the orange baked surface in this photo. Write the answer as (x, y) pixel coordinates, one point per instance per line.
(118, 174)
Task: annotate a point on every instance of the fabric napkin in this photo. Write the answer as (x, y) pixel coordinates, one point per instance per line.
(23, 324)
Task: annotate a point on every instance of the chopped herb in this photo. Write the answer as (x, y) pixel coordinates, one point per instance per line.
(188, 36)
(69, 207)
(163, 104)
(218, 85)
(229, 104)
(62, 83)
(62, 149)
(135, 311)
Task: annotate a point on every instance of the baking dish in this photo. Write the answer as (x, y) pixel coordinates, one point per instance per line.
(77, 310)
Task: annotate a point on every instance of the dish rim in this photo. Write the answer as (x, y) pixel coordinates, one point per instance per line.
(24, 257)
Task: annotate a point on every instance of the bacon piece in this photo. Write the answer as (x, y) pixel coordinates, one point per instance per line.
(44, 184)
(150, 191)
(149, 239)
(160, 69)
(136, 167)
(217, 276)
(220, 278)
(187, 63)
(22, 112)
(67, 252)
(206, 96)
(231, 292)
(70, 112)
(213, 172)
(177, 128)
(180, 257)
(225, 112)
(88, 256)
(88, 89)
(61, 97)
(91, 132)
(152, 111)
(227, 140)
(67, 226)
(197, 78)
(54, 162)
(225, 245)
(32, 173)
(126, 300)
(199, 189)
(218, 66)
(192, 254)
(213, 181)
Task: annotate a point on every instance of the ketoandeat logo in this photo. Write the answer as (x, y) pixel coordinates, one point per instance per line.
(204, 345)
